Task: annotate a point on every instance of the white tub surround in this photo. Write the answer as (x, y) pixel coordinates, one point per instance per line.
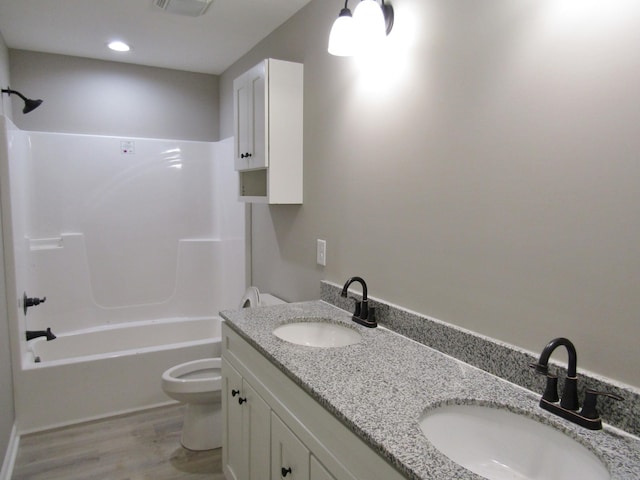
(113, 231)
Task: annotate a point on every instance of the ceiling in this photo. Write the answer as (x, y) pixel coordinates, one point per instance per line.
(207, 44)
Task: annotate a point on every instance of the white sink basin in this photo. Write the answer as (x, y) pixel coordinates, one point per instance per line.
(320, 333)
(498, 444)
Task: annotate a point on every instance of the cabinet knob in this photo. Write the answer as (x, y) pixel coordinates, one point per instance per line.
(241, 400)
(245, 155)
(285, 471)
(235, 392)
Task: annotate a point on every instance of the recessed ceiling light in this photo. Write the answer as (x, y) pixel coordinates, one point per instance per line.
(119, 46)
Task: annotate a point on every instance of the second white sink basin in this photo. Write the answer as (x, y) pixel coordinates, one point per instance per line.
(498, 444)
(317, 333)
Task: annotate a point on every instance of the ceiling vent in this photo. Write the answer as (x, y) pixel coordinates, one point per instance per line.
(189, 8)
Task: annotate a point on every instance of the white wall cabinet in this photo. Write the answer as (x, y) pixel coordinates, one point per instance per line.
(268, 132)
(299, 440)
(249, 91)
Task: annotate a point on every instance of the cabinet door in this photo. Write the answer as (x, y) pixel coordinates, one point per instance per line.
(234, 454)
(257, 433)
(318, 472)
(243, 128)
(289, 456)
(250, 99)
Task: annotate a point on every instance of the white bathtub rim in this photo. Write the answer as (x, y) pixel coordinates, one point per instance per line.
(29, 362)
(136, 323)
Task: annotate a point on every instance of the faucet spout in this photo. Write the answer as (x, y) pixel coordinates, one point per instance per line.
(543, 363)
(348, 283)
(569, 399)
(363, 315)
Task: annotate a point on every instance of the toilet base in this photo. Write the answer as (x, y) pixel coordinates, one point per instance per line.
(202, 428)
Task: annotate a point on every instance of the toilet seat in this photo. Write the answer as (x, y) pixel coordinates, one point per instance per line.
(198, 376)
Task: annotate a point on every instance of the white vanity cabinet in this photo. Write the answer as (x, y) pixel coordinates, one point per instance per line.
(289, 456)
(247, 429)
(300, 434)
(268, 118)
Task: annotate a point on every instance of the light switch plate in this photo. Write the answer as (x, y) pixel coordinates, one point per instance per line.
(321, 252)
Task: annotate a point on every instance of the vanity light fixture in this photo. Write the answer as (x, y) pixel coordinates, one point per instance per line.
(370, 23)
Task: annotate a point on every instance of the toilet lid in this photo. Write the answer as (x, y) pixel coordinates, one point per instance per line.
(251, 298)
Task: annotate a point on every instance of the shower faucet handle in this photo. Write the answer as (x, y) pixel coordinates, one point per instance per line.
(31, 302)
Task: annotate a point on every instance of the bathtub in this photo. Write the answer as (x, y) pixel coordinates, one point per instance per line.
(99, 372)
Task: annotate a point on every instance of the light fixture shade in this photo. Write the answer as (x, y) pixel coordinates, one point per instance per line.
(342, 39)
(370, 24)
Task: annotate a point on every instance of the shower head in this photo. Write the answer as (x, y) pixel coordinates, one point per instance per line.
(29, 105)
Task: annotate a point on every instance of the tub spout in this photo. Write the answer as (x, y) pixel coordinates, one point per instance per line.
(31, 334)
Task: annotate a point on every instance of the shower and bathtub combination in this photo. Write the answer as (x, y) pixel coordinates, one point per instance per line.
(136, 245)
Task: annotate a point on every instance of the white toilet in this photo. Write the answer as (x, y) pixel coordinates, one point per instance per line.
(253, 298)
(198, 384)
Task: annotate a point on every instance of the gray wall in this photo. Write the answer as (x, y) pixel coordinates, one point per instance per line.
(110, 98)
(485, 172)
(7, 415)
(5, 103)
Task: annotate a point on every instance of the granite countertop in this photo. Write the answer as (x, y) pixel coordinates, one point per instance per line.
(381, 386)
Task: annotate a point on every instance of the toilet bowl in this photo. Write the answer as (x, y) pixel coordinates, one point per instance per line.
(198, 385)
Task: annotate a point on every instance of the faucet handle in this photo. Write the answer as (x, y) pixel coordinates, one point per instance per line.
(590, 398)
(551, 390)
(357, 305)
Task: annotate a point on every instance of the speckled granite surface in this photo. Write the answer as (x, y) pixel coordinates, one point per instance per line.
(381, 386)
(505, 361)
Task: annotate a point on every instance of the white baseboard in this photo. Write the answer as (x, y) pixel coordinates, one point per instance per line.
(10, 455)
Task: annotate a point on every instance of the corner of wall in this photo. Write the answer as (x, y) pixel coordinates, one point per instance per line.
(10, 455)
(5, 104)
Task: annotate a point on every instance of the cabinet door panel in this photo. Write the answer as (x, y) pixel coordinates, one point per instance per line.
(260, 156)
(289, 456)
(258, 434)
(250, 116)
(234, 457)
(318, 472)
(243, 106)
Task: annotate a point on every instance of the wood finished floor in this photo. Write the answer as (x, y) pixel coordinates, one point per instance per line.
(139, 446)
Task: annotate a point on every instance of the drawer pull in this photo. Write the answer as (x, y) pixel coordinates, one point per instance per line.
(285, 471)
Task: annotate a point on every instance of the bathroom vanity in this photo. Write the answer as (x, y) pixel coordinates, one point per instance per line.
(271, 424)
(353, 412)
